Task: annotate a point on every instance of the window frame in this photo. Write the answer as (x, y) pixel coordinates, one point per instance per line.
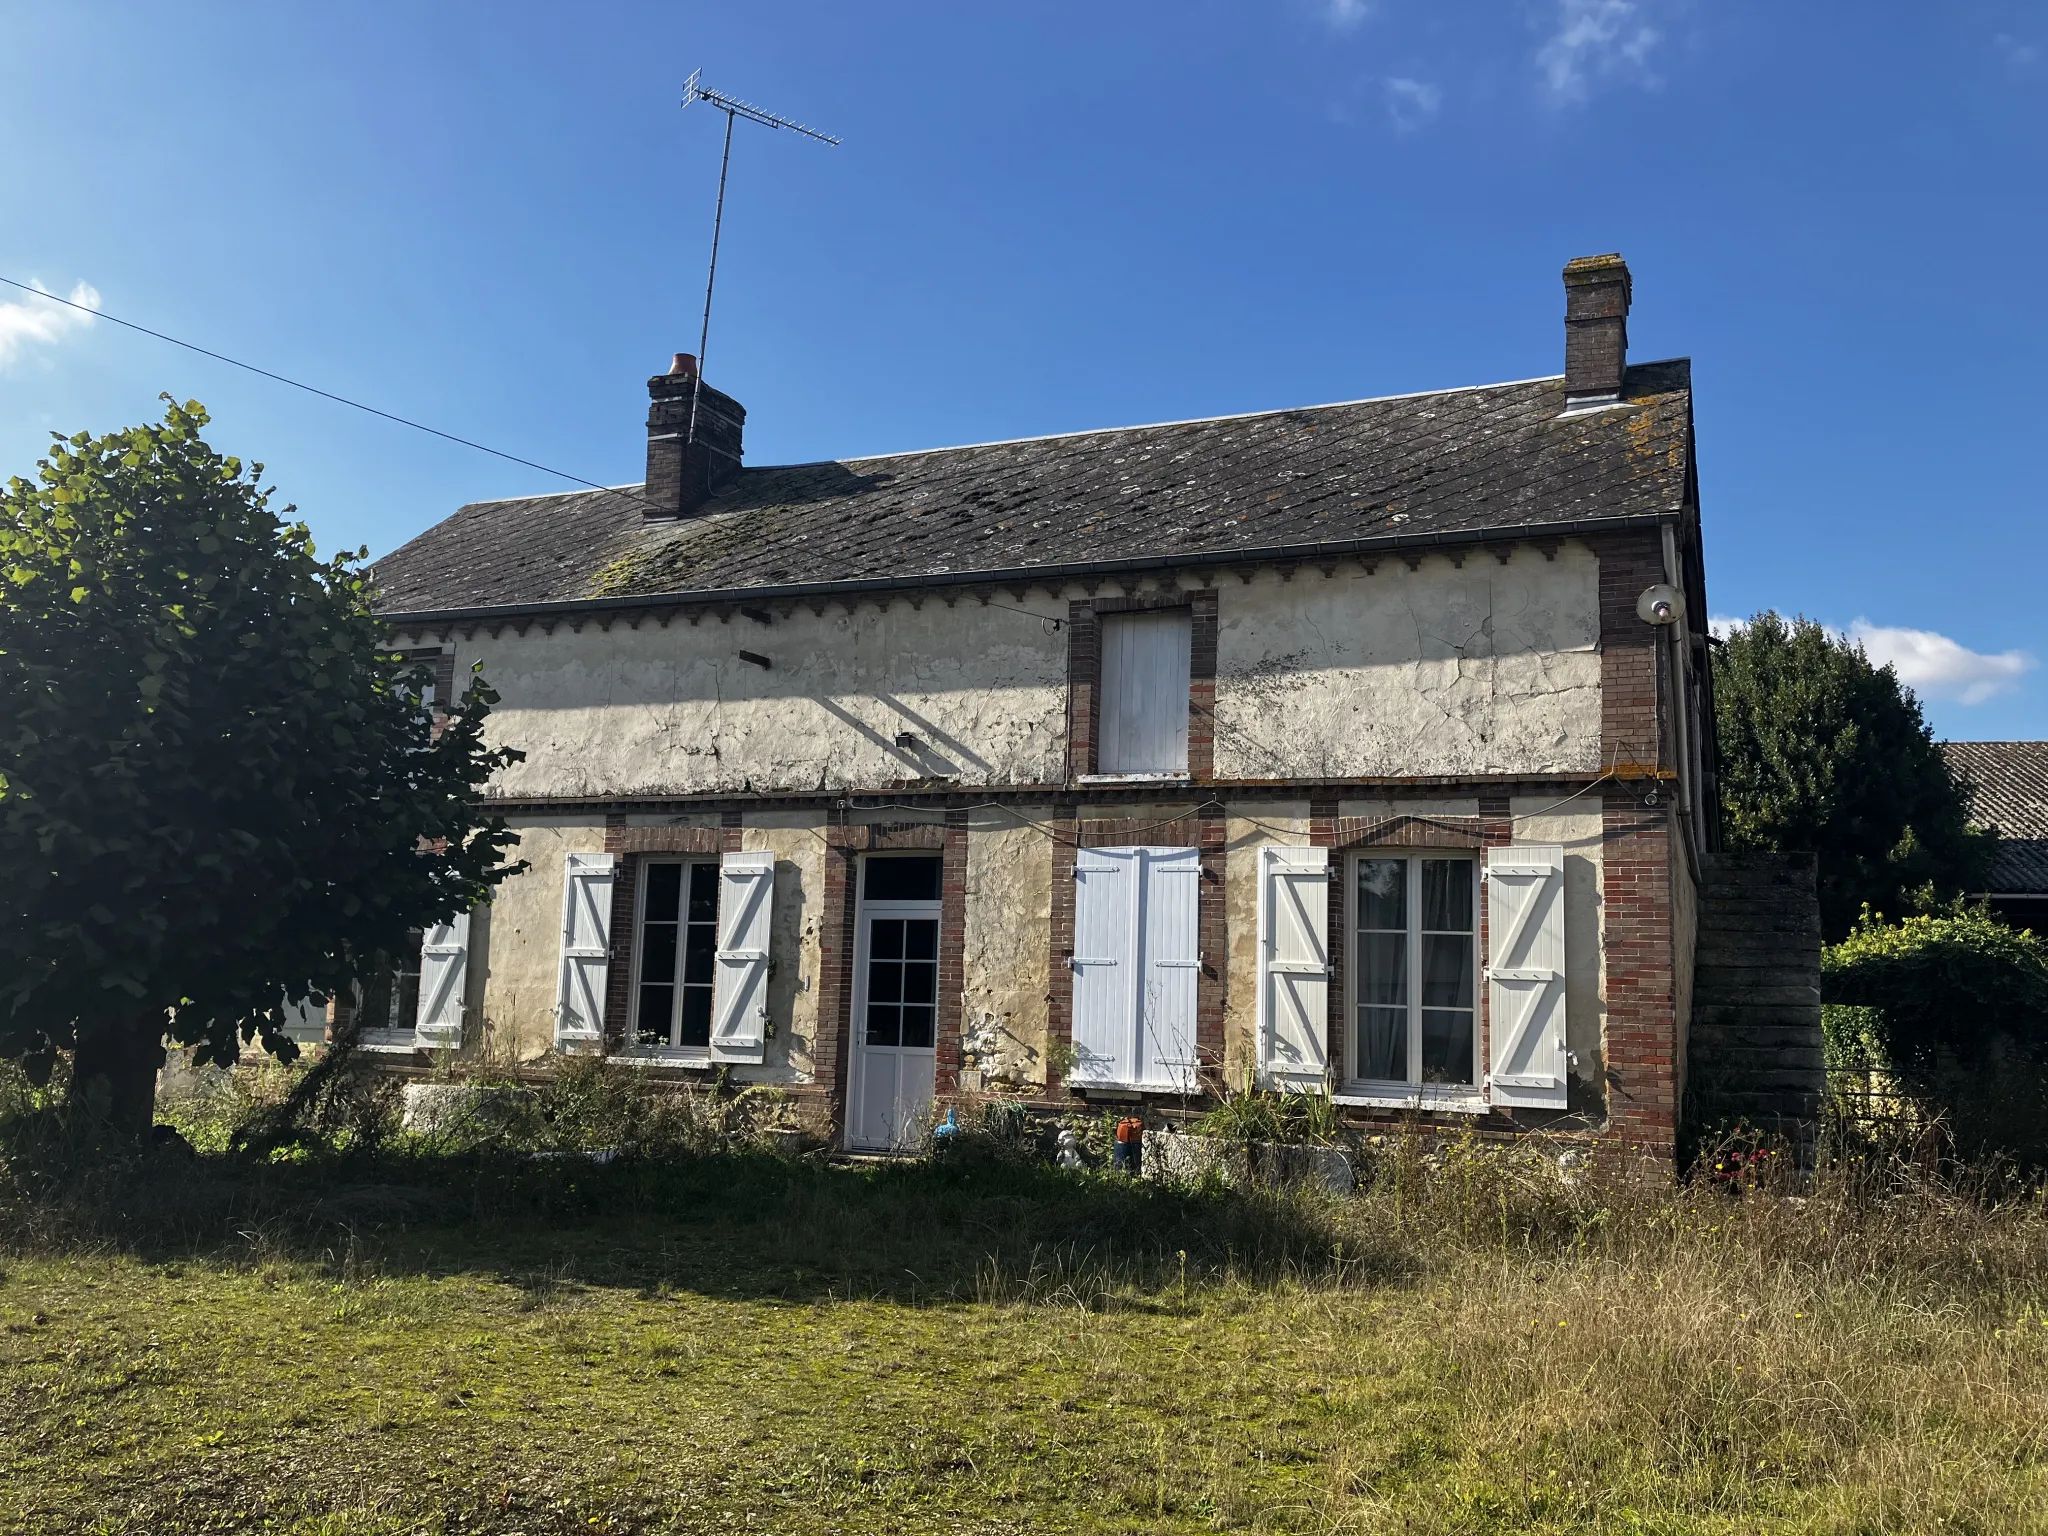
(1413, 1092)
(387, 1036)
(632, 1046)
(1185, 614)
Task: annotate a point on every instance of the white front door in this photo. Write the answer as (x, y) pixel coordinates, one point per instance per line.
(895, 1006)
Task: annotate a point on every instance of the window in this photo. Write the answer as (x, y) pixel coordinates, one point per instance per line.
(677, 954)
(388, 1001)
(1144, 694)
(1413, 983)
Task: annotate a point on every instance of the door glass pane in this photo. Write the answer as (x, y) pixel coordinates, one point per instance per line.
(885, 938)
(1383, 968)
(1447, 895)
(1383, 1044)
(704, 893)
(1447, 970)
(405, 983)
(696, 1020)
(901, 879)
(885, 1024)
(1383, 894)
(658, 953)
(921, 939)
(920, 1026)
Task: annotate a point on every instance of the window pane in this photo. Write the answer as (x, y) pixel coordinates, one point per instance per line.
(1446, 971)
(656, 1003)
(1383, 968)
(1382, 893)
(1383, 1044)
(918, 1026)
(920, 983)
(664, 892)
(696, 1017)
(921, 938)
(884, 1024)
(901, 879)
(1446, 1045)
(658, 952)
(405, 984)
(1447, 895)
(700, 954)
(885, 938)
(703, 893)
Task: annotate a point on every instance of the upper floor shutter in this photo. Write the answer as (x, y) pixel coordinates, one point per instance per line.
(739, 996)
(1144, 700)
(444, 976)
(1525, 975)
(586, 949)
(1294, 965)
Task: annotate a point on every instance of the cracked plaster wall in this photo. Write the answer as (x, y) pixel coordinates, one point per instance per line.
(1443, 670)
(522, 955)
(1284, 823)
(676, 711)
(1005, 949)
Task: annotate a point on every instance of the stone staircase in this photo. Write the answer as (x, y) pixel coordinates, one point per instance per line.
(1754, 1053)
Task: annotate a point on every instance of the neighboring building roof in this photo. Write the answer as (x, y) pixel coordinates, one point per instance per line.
(2009, 791)
(1454, 465)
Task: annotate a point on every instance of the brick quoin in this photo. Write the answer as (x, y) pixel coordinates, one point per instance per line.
(1059, 995)
(835, 971)
(1636, 856)
(952, 952)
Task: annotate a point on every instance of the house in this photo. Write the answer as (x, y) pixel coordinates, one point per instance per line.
(1363, 746)
(2009, 793)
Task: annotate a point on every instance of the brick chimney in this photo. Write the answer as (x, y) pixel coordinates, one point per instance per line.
(680, 481)
(1596, 294)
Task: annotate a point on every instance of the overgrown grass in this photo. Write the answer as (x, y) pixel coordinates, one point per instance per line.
(406, 1339)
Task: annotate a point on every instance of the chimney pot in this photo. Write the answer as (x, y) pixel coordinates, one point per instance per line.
(1596, 303)
(685, 366)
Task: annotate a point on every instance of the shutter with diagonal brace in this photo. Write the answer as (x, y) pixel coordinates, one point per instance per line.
(586, 950)
(1525, 976)
(739, 997)
(1294, 965)
(1104, 963)
(444, 974)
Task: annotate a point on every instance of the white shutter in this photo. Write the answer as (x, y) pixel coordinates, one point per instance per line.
(739, 997)
(1105, 964)
(1294, 965)
(444, 971)
(1170, 901)
(586, 949)
(1525, 975)
(1144, 706)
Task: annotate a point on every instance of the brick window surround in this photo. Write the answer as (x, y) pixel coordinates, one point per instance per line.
(832, 1052)
(1205, 831)
(1084, 675)
(633, 845)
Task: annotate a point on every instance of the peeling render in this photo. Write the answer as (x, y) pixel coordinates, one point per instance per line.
(1006, 951)
(1487, 668)
(1286, 822)
(1484, 668)
(522, 955)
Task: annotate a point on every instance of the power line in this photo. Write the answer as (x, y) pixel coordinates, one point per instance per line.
(417, 426)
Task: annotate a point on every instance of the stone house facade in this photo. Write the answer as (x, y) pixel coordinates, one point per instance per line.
(1362, 748)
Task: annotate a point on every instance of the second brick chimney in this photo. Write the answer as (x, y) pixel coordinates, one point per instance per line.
(1596, 295)
(684, 473)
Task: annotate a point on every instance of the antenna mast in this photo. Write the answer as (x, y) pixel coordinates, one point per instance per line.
(734, 109)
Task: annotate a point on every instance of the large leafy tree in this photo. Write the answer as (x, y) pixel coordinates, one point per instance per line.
(220, 792)
(1823, 753)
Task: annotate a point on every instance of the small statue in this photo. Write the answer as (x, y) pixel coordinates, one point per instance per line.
(1069, 1154)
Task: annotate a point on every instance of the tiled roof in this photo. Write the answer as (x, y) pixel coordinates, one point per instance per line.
(2009, 791)
(1455, 464)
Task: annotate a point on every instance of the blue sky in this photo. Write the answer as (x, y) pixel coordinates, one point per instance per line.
(1050, 217)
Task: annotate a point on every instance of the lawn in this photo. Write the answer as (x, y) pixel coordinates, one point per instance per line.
(738, 1342)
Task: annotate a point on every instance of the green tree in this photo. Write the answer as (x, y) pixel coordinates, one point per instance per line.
(1823, 753)
(219, 790)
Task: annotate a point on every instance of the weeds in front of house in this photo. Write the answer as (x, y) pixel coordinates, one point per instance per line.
(1482, 1338)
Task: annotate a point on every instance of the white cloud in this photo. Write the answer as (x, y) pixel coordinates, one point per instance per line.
(29, 320)
(1596, 39)
(2020, 58)
(1938, 667)
(1346, 14)
(1722, 625)
(1411, 103)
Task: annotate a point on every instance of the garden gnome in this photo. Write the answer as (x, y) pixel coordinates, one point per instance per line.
(1069, 1155)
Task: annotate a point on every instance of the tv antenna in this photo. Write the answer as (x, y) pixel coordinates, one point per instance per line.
(734, 109)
